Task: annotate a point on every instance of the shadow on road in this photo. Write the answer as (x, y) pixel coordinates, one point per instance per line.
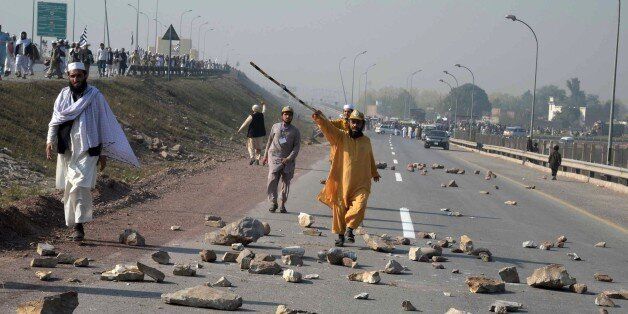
(81, 290)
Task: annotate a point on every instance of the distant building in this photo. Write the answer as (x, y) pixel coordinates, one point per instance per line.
(554, 109)
(495, 113)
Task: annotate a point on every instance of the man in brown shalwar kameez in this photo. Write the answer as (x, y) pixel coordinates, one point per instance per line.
(282, 148)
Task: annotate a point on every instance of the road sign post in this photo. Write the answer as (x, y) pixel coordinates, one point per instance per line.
(170, 35)
(52, 19)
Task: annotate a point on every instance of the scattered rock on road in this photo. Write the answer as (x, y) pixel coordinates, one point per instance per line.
(230, 257)
(553, 276)
(393, 267)
(509, 274)
(602, 277)
(43, 275)
(371, 277)
(208, 256)
(381, 165)
(292, 260)
(508, 306)
(399, 240)
(362, 296)
(347, 262)
(438, 265)
(602, 300)
(311, 276)
(377, 243)
(579, 288)
(151, 272)
(456, 311)
(161, 257)
(264, 257)
(237, 246)
(574, 256)
(312, 232)
(437, 166)
(334, 256)
(293, 250)
(466, 244)
(131, 237)
(407, 306)
(529, 244)
(479, 284)
(214, 221)
(44, 262)
(222, 282)
(484, 192)
(245, 231)
(204, 297)
(45, 249)
(306, 220)
(65, 258)
(123, 273)
(81, 262)
(511, 203)
(289, 275)
(183, 270)
(63, 303)
(476, 172)
(452, 184)
(175, 228)
(600, 244)
(266, 227)
(282, 309)
(264, 268)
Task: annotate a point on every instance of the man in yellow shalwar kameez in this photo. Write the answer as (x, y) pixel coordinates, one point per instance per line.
(342, 123)
(348, 185)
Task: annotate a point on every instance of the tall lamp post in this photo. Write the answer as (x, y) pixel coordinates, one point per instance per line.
(191, 29)
(205, 40)
(353, 74)
(455, 109)
(609, 159)
(366, 82)
(451, 91)
(344, 92)
(536, 65)
(472, 92)
(181, 21)
(198, 46)
(137, 23)
(147, 28)
(407, 103)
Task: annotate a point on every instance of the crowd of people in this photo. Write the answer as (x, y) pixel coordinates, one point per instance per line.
(17, 55)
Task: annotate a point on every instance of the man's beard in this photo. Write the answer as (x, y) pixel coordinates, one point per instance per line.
(356, 134)
(78, 89)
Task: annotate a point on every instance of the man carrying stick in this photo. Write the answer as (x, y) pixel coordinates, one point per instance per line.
(348, 185)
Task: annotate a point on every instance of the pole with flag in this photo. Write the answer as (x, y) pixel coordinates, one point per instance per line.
(83, 39)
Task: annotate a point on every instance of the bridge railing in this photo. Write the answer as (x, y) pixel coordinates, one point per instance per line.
(587, 171)
(589, 151)
(142, 70)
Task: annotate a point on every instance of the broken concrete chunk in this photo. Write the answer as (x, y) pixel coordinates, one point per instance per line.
(123, 273)
(393, 267)
(289, 275)
(602, 300)
(509, 274)
(292, 260)
(466, 244)
(371, 277)
(553, 276)
(183, 270)
(245, 231)
(131, 237)
(264, 268)
(43, 275)
(579, 288)
(222, 282)
(151, 272)
(230, 257)
(161, 257)
(204, 297)
(44, 262)
(81, 262)
(64, 303)
(479, 284)
(602, 277)
(306, 220)
(508, 306)
(293, 250)
(208, 256)
(45, 249)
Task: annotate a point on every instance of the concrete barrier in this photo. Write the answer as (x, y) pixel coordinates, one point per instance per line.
(614, 178)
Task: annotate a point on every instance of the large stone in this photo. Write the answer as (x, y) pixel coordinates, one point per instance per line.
(245, 263)
(617, 294)
(204, 297)
(290, 275)
(528, 244)
(264, 257)
(230, 257)
(123, 273)
(579, 288)
(602, 277)
(423, 254)
(264, 268)
(183, 270)
(151, 272)
(466, 244)
(208, 256)
(377, 243)
(393, 267)
(131, 237)
(266, 227)
(509, 274)
(43, 275)
(293, 250)
(407, 306)
(245, 231)
(371, 277)
(347, 262)
(399, 240)
(45, 262)
(553, 276)
(63, 303)
(602, 300)
(292, 260)
(222, 282)
(45, 249)
(81, 262)
(161, 257)
(65, 258)
(478, 284)
(509, 306)
(334, 256)
(306, 220)
(244, 254)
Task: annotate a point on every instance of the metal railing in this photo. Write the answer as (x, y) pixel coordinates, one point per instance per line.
(142, 70)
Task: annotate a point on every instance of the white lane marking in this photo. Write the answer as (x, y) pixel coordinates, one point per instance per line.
(406, 223)
(395, 161)
(398, 177)
(393, 153)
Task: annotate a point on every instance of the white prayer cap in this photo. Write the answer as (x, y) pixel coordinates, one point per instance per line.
(256, 108)
(348, 107)
(76, 66)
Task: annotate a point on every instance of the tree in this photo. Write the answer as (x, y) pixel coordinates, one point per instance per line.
(481, 104)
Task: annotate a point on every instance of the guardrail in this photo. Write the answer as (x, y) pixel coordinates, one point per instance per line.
(141, 70)
(609, 176)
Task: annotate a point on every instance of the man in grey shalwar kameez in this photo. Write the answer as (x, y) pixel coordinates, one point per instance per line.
(86, 132)
(282, 148)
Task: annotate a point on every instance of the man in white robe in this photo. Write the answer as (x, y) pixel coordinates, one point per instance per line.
(23, 52)
(86, 132)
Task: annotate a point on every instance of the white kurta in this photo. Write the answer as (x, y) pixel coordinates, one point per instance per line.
(76, 175)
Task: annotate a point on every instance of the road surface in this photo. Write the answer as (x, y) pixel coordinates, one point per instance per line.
(403, 203)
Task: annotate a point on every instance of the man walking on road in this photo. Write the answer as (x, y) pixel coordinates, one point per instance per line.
(555, 159)
(55, 62)
(348, 185)
(4, 39)
(86, 132)
(23, 52)
(101, 56)
(256, 132)
(282, 149)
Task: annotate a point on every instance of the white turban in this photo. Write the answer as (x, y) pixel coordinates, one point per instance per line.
(76, 66)
(348, 107)
(256, 108)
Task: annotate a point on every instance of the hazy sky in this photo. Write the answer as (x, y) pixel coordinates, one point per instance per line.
(301, 42)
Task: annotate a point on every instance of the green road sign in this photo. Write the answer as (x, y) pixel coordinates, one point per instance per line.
(52, 19)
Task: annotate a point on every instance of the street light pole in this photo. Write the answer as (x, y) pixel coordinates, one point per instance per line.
(137, 26)
(472, 92)
(198, 46)
(147, 28)
(191, 29)
(353, 74)
(456, 109)
(451, 91)
(181, 22)
(205, 40)
(536, 65)
(411, 76)
(341, 81)
(609, 159)
(366, 82)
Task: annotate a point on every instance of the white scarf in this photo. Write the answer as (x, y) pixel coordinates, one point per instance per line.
(97, 124)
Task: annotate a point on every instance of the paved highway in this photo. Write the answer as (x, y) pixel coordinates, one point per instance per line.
(404, 203)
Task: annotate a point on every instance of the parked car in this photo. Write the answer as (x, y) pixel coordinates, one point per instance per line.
(514, 131)
(384, 129)
(566, 140)
(437, 138)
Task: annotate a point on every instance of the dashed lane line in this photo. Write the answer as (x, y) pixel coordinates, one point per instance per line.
(393, 153)
(406, 223)
(395, 161)
(398, 177)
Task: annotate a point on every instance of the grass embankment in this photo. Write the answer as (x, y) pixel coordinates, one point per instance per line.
(198, 114)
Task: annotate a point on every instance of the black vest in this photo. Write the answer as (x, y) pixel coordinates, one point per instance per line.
(257, 128)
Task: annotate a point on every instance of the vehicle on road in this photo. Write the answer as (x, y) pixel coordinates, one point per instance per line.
(514, 131)
(437, 138)
(566, 140)
(427, 129)
(384, 129)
